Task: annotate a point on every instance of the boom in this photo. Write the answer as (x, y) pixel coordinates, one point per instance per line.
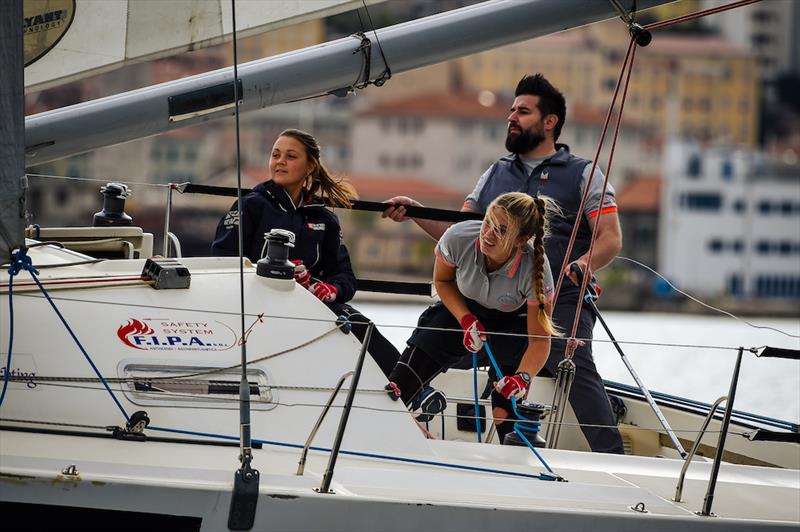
(322, 69)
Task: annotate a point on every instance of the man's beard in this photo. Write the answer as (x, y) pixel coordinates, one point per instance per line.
(525, 141)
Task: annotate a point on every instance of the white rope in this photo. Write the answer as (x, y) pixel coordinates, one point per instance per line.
(87, 179)
(725, 312)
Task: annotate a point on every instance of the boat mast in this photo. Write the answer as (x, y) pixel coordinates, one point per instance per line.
(12, 130)
(333, 67)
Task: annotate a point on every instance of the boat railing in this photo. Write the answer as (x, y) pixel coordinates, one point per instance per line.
(695, 446)
(301, 466)
(348, 406)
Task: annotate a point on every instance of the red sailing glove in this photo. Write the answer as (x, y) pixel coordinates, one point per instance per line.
(474, 333)
(301, 273)
(325, 292)
(515, 386)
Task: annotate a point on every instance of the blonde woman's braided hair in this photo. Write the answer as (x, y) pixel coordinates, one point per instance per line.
(528, 216)
(322, 183)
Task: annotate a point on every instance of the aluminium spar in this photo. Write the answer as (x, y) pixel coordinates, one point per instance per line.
(317, 70)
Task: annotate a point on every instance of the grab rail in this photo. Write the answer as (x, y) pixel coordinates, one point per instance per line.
(726, 421)
(695, 446)
(301, 466)
(348, 405)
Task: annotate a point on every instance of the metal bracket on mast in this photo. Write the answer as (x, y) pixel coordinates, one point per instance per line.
(564, 380)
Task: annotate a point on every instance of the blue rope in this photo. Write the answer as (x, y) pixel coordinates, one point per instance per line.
(21, 261)
(475, 390)
(363, 454)
(531, 426)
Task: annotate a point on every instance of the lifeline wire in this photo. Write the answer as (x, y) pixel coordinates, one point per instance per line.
(390, 325)
(645, 266)
(244, 387)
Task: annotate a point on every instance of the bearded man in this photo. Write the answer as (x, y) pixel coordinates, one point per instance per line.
(537, 165)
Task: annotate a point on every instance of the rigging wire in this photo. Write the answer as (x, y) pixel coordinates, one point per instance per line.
(377, 409)
(384, 325)
(699, 14)
(98, 180)
(245, 444)
(645, 266)
(711, 307)
(386, 75)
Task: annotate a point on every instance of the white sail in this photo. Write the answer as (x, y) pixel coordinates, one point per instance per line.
(86, 37)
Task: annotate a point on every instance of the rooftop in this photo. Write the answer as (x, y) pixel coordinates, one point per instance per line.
(441, 104)
(641, 195)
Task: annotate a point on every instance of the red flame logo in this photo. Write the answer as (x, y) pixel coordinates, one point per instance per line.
(133, 328)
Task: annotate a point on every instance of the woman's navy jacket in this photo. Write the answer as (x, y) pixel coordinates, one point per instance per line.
(317, 231)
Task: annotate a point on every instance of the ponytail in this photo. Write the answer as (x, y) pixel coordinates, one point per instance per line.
(540, 230)
(321, 182)
(528, 216)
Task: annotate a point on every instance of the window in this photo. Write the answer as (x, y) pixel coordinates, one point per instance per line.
(191, 154)
(172, 153)
(383, 160)
(762, 247)
(695, 166)
(613, 56)
(715, 245)
(777, 286)
(739, 206)
(738, 246)
(761, 16)
(735, 285)
(62, 195)
(655, 103)
(786, 208)
(727, 170)
(764, 207)
(762, 39)
(701, 201)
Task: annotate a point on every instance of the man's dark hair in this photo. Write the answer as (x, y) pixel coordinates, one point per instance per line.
(551, 101)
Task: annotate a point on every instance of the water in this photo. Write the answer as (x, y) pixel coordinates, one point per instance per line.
(767, 386)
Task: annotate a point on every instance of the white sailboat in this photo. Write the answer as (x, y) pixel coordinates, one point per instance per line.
(122, 407)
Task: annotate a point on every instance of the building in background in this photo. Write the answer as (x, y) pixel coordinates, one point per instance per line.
(767, 28)
(444, 138)
(431, 132)
(730, 222)
(696, 86)
(381, 248)
(451, 138)
(639, 204)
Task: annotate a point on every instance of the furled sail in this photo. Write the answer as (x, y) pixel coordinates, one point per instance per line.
(67, 40)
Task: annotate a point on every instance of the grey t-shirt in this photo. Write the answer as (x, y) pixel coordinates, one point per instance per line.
(505, 289)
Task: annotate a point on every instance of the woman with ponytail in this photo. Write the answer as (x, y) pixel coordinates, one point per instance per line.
(490, 276)
(295, 198)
